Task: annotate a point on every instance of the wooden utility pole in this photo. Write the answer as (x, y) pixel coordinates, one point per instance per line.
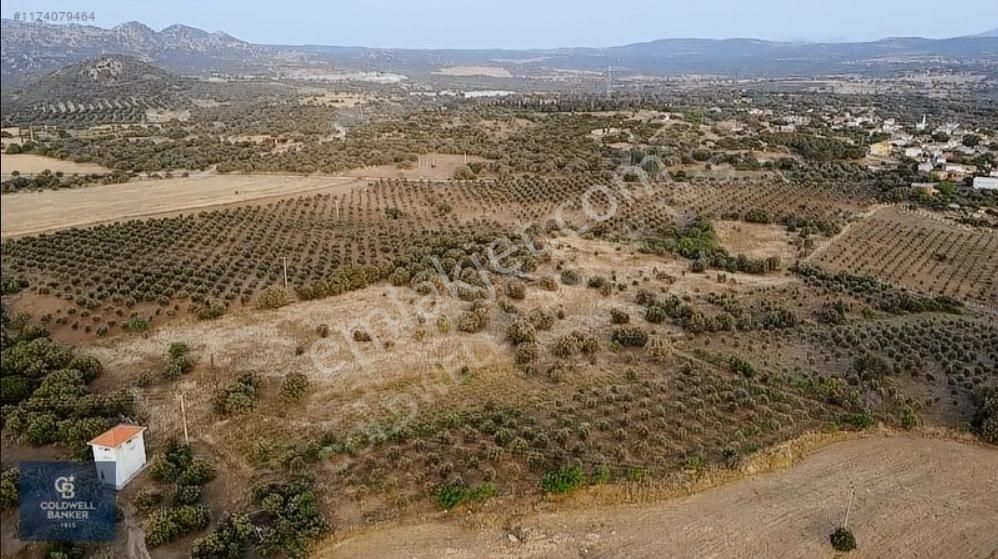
(285, 260)
(183, 414)
(852, 494)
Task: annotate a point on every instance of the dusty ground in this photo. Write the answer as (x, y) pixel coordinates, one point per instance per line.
(915, 497)
(35, 212)
(29, 164)
(756, 240)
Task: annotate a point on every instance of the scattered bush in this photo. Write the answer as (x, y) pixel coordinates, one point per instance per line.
(541, 319)
(986, 420)
(9, 495)
(570, 277)
(229, 540)
(169, 524)
(520, 331)
(619, 316)
(294, 386)
(272, 298)
(296, 520)
(659, 348)
(239, 397)
(738, 365)
(527, 353)
(629, 337)
(516, 290)
(843, 540)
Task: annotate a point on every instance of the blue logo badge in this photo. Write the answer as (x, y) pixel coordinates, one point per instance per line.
(65, 501)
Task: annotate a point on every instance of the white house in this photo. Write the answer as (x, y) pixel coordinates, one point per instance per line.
(120, 454)
(986, 183)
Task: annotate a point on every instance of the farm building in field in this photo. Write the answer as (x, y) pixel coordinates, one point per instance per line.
(986, 183)
(119, 454)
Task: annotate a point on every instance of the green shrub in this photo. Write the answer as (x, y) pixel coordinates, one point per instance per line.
(629, 337)
(570, 277)
(909, 417)
(619, 316)
(843, 540)
(177, 350)
(169, 524)
(564, 479)
(209, 311)
(186, 495)
(738, 365)
(272, 298)
(450, 495)
(862, 420)
(520, 331)
(986, 419)
(229, 540)
(239, 397)
(137, 324)
(9, 495)
(199, 472)
(298, 521)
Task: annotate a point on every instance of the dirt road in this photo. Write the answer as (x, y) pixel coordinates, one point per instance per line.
(915, 497)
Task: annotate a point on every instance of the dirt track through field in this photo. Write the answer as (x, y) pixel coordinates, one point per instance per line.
(35, 212)
(915, 497)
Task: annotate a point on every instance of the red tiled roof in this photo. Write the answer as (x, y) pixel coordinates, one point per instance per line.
(116, 435)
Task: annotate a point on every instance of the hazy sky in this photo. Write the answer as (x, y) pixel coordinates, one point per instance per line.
(538, 23)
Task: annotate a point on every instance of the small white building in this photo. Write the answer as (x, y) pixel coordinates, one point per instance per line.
(986, 183)
(119, 454)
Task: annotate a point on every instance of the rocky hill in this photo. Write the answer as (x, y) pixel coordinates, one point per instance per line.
(34, 49)
(113, 88)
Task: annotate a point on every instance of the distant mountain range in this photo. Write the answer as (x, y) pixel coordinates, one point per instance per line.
(30, 50)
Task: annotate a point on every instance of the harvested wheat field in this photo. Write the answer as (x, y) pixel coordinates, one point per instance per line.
(28, 164)
(35, 212)
(904, 485)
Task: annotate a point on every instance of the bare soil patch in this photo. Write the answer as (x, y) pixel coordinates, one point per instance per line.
(487, 71)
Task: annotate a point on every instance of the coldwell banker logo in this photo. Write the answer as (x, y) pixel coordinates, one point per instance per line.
(64, 486)
(65, 501)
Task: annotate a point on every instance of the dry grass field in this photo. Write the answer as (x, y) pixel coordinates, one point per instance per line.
(28, 164)
(35, 212)
(904, 484)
